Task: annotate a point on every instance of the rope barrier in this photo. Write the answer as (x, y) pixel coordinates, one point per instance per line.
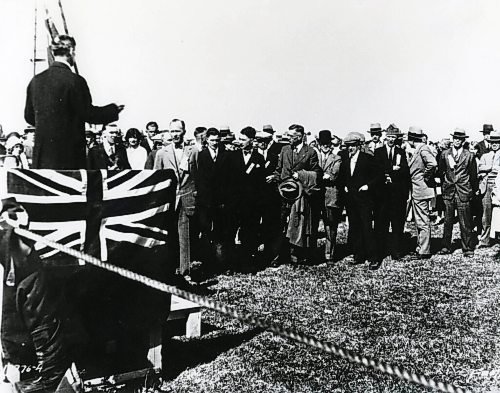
(250, 319)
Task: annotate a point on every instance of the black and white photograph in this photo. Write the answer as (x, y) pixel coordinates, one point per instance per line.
(249, 196)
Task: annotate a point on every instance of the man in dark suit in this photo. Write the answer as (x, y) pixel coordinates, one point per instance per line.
(270, 199)
(215, 199)
(109, 155)
(484, 146)
(330, 206)
(58, 104)
(299, 162)
(458, 169)
(360, 177)
(392, 195)
(248, 165)
(149, 142)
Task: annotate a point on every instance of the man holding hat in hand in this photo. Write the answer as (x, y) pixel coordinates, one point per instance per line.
(458, 169)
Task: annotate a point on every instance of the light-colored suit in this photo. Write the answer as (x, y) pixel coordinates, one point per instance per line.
(422, 167)
(184, 169)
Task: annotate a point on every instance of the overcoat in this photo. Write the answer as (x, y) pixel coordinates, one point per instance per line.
(58, 104)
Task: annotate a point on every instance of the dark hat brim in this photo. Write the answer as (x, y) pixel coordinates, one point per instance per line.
(290, 189)
(460, 136)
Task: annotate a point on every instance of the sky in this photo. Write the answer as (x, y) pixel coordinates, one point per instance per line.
(326, 64)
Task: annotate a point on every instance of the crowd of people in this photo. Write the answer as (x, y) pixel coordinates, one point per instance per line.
(257, 198)
(267, 193)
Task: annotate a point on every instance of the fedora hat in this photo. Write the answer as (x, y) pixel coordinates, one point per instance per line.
(494, 137)
(487, 128)
(459, 133)
(415, 134)
(375, 128)
(268, 128)
(393, 130)
(353, 138)
(263, 135)
(290, 189)
(324, 137)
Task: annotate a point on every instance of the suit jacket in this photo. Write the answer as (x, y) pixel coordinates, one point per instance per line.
(144, 143)
(289, 162)
(249, 178)
(422, 167)
(215, 182)
(366, 172)
(270, 195)
(400, 178)
(489, 166)
(98, 159)
(58, 104)
(462, 179)
(482, 148)
(185, 170)
(330, 166)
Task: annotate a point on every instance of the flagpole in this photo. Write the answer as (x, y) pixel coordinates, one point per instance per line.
(34, 38)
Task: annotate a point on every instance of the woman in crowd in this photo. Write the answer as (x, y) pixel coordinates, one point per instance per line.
(136, 154)
(15, 157)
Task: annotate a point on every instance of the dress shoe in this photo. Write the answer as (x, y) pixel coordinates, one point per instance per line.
(482, 246)
(468, 254)
(353, 262)
(374, 265)
(444, 251)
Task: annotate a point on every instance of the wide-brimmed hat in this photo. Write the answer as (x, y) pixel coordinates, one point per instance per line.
(375, 128)
(263, 135)
(487, 128)
(290, 189)
(229, 138)
(459, 133)
(268, 128)
(13, 140)
(353, 138)
(324, 137)
(494, 137)
(415, 134)
(393, 130)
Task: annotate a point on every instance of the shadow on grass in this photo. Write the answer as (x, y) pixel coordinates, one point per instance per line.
(179, 355)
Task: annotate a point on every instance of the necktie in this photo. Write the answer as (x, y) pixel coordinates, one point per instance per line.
(390, 155)
(111, 150)
(247, 152)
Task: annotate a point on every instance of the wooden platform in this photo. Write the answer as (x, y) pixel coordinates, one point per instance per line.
(179, 309)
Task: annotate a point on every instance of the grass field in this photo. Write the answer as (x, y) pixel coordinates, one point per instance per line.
(440, 317)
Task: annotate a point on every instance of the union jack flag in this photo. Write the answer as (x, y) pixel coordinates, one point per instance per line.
(93, 211)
